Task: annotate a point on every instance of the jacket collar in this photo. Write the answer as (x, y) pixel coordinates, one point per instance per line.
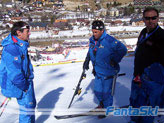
(20, 42)
(100, 39)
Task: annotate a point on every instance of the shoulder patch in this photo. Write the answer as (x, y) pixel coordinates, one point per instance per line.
(21, 44)
(16, 58)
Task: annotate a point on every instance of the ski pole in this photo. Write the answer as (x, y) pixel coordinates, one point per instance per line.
(3, 102)
(78, 89)
(114, 82)
(5, 106)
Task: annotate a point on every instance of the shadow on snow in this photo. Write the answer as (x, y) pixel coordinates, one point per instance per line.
(48, 102)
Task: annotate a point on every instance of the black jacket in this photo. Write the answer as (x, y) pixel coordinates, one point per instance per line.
(149, 51)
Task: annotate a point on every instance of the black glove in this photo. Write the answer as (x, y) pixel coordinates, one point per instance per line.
(86, 65)
(94, 72)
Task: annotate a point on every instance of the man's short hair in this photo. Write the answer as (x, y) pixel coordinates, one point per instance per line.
(98, 24)
(147, 9)
(20, 25)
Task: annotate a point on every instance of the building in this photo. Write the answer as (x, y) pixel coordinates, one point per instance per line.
(38, 26)
(142, 2)
(114, 12)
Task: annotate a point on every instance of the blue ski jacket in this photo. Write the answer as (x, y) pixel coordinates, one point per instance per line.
(109, 53)
(16, 71)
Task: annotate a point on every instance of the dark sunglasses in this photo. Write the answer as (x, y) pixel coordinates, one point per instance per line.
(25, 27)
(152, 18)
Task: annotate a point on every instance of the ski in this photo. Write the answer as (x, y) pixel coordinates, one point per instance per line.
(94, 112)
(89, 113)
(78, 88)
(83, 76)
(114, 82)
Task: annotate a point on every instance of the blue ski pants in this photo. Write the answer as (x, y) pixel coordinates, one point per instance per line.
(102, 90)
(27, 106)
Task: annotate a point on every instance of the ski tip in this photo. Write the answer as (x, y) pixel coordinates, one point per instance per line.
(57, 117)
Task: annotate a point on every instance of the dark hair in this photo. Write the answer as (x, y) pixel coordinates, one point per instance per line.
(17, 26)
(147, 9)
(98, 24)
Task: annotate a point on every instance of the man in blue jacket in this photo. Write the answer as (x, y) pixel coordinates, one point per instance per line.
(16, 71)
(105, 52)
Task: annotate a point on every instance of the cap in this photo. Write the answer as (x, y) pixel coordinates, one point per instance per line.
(97, 24)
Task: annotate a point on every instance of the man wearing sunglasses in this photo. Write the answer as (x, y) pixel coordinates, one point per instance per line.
(16, 71)
(148, 82)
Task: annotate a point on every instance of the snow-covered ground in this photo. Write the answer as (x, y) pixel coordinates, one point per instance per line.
(54, 89)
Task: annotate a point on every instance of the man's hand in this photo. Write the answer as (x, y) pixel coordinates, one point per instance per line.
(137, 80)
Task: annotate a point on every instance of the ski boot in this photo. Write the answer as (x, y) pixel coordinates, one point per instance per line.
(101, 105)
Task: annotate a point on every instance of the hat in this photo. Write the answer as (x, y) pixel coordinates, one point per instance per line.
(97, 24)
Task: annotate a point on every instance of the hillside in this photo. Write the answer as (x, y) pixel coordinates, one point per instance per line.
(102, 1)
(73, 4)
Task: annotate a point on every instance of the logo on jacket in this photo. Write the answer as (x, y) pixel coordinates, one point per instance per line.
(15, 58)
(101, 46)
(21, 44)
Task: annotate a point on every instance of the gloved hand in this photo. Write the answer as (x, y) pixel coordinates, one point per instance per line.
(137, 80)
(85, 65)
(94, 72)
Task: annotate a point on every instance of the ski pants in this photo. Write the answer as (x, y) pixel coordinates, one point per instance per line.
(27, 106)
(102, 90)
(139, 98)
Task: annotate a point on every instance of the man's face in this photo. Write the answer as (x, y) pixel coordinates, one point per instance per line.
(150, 19)
(24, 35)
(97, 33)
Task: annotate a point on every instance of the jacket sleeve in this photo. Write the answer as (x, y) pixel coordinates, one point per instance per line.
(13, 61)
(120, 51)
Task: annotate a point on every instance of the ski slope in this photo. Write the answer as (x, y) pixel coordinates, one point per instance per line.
(54, 89)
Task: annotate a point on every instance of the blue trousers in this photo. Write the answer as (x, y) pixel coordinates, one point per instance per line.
(102, 90)
(27, 106)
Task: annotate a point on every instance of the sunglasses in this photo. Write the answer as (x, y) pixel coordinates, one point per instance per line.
(151, 18)
(25, 27)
